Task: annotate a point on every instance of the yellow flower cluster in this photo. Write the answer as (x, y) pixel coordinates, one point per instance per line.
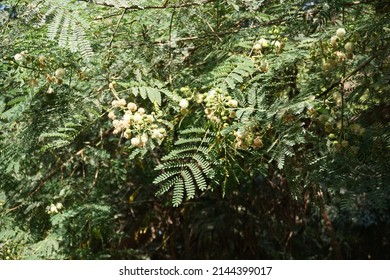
(246, 138)
(220, 106)
(54, 208)
(338, 55)
(134, 123)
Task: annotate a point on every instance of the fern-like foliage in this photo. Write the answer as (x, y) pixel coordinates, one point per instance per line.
(232, 72)
(188, 166)
(45, 249)
(65, 24)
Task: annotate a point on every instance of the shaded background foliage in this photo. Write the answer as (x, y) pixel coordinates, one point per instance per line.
(309, 179)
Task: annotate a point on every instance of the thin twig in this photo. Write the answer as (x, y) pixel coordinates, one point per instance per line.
(219, 35)
(42, 182)
(170, 44)
(116, 28)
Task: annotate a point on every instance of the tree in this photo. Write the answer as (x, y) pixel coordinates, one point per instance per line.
(152, 129)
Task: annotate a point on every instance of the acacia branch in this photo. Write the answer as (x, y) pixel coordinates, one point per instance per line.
(343, 80)
(165, 5)
(116, 28)
(217, 35)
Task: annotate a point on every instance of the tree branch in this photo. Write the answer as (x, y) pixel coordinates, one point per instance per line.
(343, 80)
(165, 5)
(116, 28)
(218, 35)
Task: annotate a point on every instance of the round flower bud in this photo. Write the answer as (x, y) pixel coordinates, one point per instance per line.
(137, 118)
(183, 111)
(135, 141)
(149, 118)
(263, 42)
(215, 118)
(111, 115)
(156, 133)
(132, 106)
(127, 133)
(116, 130)
(111, 85)
(162, 130)
(115, 123)
(60, 73)
(115, 103)
(127, 118)
(348, 47)
(340, 33)
(59, 205)
(340, 56)
(18, 57)
(141, 111)
(185, 89)
(184, 104)
(50, 90)
(210, 95)
(199, 98)
(53, 208)
(232, 103)
(333, 41)
(331, 136)
(144, 138)
(122, 102)
(257, 47)
(208, 111)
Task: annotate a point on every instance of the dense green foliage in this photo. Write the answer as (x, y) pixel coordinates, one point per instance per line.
(135, 129)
